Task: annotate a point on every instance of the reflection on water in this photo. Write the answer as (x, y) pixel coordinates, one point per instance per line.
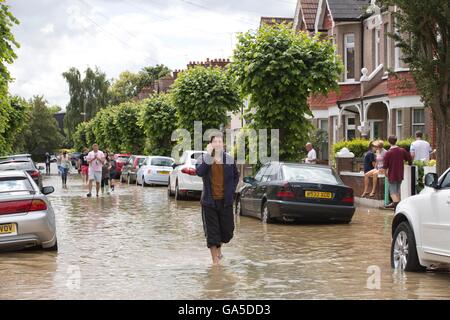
(137, 244)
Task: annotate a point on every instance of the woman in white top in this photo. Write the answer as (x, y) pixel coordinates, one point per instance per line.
(65, 165)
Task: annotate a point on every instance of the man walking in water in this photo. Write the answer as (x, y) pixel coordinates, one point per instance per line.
(95, 159)
(47, 163)
(220, 178)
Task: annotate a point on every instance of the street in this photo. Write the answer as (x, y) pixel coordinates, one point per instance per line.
(138, 244)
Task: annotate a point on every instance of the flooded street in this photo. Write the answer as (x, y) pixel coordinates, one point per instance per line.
(138, 244)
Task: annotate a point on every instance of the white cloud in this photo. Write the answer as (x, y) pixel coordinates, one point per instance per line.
(122, 35)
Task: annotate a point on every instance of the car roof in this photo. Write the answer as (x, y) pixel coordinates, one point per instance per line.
(16, 156)
(12, 173)
(162, 157)
(283, 163)
(123, 154)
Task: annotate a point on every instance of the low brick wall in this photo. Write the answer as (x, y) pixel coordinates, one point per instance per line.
(355, 180)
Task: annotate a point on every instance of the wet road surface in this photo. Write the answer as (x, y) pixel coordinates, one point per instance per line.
(138, 244)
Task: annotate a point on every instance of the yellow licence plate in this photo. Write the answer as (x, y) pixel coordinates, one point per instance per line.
(8, 229)
(163, 172)
(318, 195)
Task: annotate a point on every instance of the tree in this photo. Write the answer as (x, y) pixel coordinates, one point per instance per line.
(158, 120)
(278, 69)
(423, 34)
(126, 117)
(125, 88)
(42, 133)
(204, 94)
(16, 113)
(149, 74)
(7, 42)
(87, 96)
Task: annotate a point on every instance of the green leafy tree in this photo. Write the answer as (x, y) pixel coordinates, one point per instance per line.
(158, 120)
(204, 94)
(149, 74)
(80, 136)
(424, 27)
(42, 134)
(87, 96)
(278, 69)
(17, 115)
(125, 88)
(7, 44)
(126, 117)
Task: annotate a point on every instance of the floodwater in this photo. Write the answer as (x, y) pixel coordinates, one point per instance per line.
(138, 244)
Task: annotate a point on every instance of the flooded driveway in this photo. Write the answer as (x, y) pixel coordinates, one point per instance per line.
(138, 244)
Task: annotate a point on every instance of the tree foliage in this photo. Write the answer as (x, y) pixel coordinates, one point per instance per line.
(158, 121)
(7, 44)
(278, 69)
(41, 133)
(87, 95)
(423, 34)
(204, 94)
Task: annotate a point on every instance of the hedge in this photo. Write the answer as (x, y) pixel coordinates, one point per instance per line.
(360, 146)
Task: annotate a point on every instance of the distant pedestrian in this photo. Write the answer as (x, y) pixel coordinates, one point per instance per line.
(380, 153)
(95, 158)
(220, 178)
(420, 149)
(312, 154)
(394, 164)
(47, 160)
(84, 166)
(105, 175)
(112, 171)
(66, 165)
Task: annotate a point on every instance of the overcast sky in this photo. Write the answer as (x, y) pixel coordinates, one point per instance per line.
(119, 35)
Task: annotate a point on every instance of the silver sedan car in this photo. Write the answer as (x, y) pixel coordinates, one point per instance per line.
(26, 215)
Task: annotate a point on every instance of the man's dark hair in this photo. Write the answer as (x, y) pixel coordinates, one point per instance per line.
(419, 134)
(392, 140)
(216, 135)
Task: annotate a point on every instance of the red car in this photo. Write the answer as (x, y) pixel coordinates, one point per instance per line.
(121, 160)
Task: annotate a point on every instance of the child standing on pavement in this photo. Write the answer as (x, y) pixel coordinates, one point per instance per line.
(105, 176)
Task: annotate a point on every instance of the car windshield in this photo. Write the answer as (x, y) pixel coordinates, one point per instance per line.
(123, 159)
(140, 161)
(310, 174)
(15, 185)
(161, 162)
(16, 165)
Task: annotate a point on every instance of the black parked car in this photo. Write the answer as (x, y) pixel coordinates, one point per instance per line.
(19, 163)
(292, 191)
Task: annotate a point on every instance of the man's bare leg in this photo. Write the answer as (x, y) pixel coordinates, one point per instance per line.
(215, 255)
(90, 186)
(97, 187)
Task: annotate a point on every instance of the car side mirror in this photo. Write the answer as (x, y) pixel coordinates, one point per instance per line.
(174, 165)
(431, 180)
(47, 190)
(249, 180)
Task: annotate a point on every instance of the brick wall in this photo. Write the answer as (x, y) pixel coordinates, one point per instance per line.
(357, 184)
(401, 84)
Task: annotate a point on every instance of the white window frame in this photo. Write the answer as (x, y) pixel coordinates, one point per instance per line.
(413, 121)
(349, 45)
(349, 126)
(398, 53)
(377, 44)
(387, 47)
(372, 127)
(335, 129)
(320, 124)
(399, 124)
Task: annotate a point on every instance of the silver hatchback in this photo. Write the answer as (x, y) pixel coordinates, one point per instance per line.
(26, 215)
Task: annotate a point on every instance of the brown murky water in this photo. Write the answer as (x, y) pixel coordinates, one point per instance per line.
(138, 244)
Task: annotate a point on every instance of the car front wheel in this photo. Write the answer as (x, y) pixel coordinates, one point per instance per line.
(265, 214)
(403, 249)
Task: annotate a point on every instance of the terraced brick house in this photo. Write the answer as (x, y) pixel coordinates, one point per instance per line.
(378, 96)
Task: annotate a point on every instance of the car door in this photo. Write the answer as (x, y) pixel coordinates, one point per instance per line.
(251, 196)
(141, 170)
(261, 188)
(436, 221)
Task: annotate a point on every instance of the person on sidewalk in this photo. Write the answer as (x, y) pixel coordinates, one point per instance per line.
(66, 165)
(220, 178)
(95, 158)
(377, 167)
(420, 149)
(47, 160)
(394, 166)
(312, 154)
(84, 165)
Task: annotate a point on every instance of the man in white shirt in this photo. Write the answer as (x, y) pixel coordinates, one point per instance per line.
(96, 159)
(420, 149)
(312, 155)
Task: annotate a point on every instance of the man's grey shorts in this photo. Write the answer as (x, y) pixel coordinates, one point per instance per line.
(95, 175)
(394, 187)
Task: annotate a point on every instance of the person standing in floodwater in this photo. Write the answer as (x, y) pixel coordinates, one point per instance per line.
(220, 178)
